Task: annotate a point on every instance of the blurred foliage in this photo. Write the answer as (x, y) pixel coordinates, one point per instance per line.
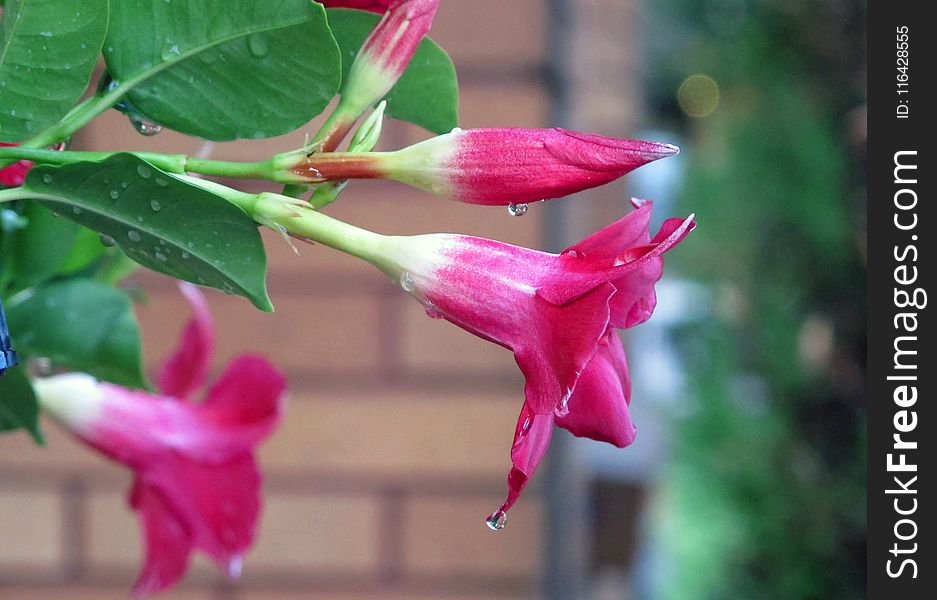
(765, 497)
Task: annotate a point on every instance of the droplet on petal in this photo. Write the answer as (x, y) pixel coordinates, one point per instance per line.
(497, 520)
(406, 282)
(517, 210)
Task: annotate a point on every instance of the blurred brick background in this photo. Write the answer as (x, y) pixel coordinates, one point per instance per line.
(398, 431)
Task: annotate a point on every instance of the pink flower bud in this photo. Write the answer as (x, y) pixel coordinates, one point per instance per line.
(14, 174)
(496, 166)
(378, 6)
(515, 166)
(387, 51)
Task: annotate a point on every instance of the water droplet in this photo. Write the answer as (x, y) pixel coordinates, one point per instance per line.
(160, 256)
(144, 171)
(60, 146)
(139, 218)
(517, 210)
(526, 426)
(114, 194)
(497, 520)
(45, 33)
(155, 205)
(571, 254)
(134, 235)
(406, 282)
(161, 182)
(562, 409)
(143, 126)
(257, 46)
(432, 312)
(76, 210)
(234, 567)
(46, 178)
(108, 240)
(170, 51)
(185, 255)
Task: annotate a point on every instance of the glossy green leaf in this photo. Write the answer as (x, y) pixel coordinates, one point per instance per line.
(85, 251)
(224, 69)
(18, 406)
(48, 50)
(160, 222)
(427, 93)
(80, 324)
(41, 248)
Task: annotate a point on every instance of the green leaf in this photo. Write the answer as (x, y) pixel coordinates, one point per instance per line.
(428, 92)
(48, 50)
(82, 324)
(18, 406)
(40, 249)
(85, 251)
(160, 222)
(224, 69)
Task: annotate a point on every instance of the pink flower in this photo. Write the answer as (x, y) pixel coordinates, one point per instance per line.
(15, 174)
(496, 166)
(196, 482)
(378, 6)
(556, 312)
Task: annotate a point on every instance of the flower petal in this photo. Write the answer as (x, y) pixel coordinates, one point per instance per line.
(531, 440)
(248, 397)
(553, 355)
(218, 504)
(186, 369)
(598, 408)
(607, 243)
(167, 539)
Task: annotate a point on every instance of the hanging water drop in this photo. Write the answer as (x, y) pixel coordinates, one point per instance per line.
(76, 210)
(107, 240)
(562, 409)
(517, 210)
(497, 520)
(134, 235)
(144, 171)
(114, 194)
(155, 205)
(143, 126)
(46, 178)
(161, 182)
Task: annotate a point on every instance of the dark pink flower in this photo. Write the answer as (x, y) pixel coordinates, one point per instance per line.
(15, 174)
(497, 166)
(556, 312)
(196, 481)
(378, 6)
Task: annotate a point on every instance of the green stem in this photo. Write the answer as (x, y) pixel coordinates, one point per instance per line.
(274, 169)
(301, 220)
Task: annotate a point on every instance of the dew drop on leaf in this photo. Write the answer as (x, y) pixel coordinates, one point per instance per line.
(257, 46)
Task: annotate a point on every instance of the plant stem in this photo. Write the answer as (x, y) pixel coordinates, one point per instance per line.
(274, 169)
(302, 220)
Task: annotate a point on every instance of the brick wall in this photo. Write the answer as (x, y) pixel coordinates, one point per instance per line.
(396, 442)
